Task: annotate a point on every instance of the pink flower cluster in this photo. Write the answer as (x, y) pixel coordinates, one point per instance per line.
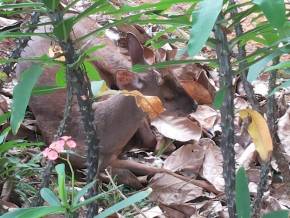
(58, 146)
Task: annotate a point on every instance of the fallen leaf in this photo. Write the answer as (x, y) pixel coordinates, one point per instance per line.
(151, 105)
(178, 128)
(259, 131)
(283, 132)
(196, 91)
(188, 157)
(168, 190)
(205, 115)
(212, 169)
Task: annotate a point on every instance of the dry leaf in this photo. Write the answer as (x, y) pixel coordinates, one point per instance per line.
(171, 190)
(212, 169)
(196, 91)
(188, 157)
(259, 131)
(151, 105)
(283, 132)
(178, 128)
(205, 115)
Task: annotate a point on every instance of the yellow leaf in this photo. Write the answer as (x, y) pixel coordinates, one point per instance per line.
(151, 105)
(259, 132)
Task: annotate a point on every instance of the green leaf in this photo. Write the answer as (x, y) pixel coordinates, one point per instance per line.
(21, 95)
(125, 203)
(43, 90)
(60, 170)
(82, 192)
(256, 69)
(4, 134)
(33, 212)
(16, 143)
(49, 197)
(242, 195)
(282, 65)
(203, 24)
(165, 64)
(51, 4)
(4, 117)
(60, 79)
(93, 74)
(21, 5)
(63, 29)
(274, 10)
(92, 199)
(277, 214)
(219, 98)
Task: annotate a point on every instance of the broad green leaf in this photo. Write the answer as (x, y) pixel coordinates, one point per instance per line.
(60, 170)
(256, 69)
(92, 199)
(51, 4)
(160, 6)
(242, 195)
(274, 10)
(259, 132)
(33, 212)
(43, 90)
(4, 134)
(93, 74)
(125, 203)
(63, 29)
(282, 65)
(4, 117)
(219, 98)
(21, 95)
(49, 197)
(82, 192)
(203, 24)
(60, 79)
(277, 214)
(16, 143)
(141, 68)
(8, 34)
(21, 5)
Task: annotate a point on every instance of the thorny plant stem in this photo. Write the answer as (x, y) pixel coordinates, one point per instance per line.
(243, 65)
(82, 89)
(21, 44)
(60, 131)
(227, 116)
(272, 116)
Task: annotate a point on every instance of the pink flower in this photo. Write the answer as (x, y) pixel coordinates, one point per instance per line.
(58, 146)
(50, 154)
(71, 143)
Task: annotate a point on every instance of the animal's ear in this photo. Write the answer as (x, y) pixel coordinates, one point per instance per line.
(136, 50)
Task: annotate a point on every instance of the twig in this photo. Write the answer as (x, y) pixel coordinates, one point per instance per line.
(243, 65)
(21, 44)
(138, 210)
(262, 186)
(227, 116)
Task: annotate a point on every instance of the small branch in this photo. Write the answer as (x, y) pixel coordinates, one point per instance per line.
(262, 187)
(21, 44)
(138, 210)
(227, 116)
(272, 117)
(243, 64)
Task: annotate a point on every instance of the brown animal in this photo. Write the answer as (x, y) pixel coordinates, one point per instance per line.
(117, 118)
